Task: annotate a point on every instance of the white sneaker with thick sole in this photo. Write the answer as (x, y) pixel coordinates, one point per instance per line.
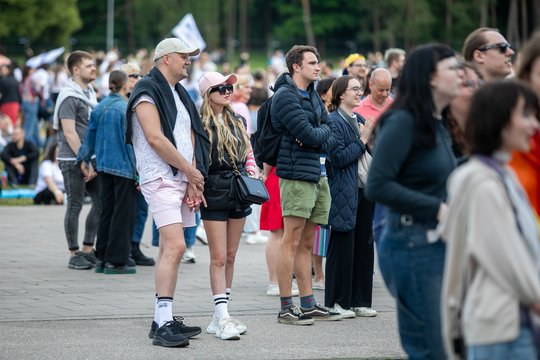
(242, 329)
(256, 238)
(201, 235)
(213, 326)
(318, 285)
(227, 330)
(347, 314)
(364, 311)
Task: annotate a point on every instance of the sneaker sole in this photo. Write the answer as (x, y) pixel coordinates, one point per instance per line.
(116, 272)
(161, 342)
(85, 267)
(232, 337)
(99, 270)
(296, 322)
(364, 315)
(327, 318)
(188, 334)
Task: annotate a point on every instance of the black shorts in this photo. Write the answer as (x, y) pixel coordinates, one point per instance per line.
(224, 215)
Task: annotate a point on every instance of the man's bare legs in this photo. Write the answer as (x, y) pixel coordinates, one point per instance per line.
(272, 254)
(171, 249)
(292, 235)
(302, 260)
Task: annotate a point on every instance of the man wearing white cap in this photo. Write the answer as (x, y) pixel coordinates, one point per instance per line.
(171, 149)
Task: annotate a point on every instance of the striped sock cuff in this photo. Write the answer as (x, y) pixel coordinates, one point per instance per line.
(220, 299)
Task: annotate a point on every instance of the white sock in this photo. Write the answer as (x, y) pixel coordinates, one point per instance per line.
(156, 312)
(220, 302)
(164, 307)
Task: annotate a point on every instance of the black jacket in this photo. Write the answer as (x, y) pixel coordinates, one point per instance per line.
(156, 86)
(343, 179)
(302, 120)
(220, 188)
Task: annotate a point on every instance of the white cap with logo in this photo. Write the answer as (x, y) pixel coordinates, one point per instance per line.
(174, 45)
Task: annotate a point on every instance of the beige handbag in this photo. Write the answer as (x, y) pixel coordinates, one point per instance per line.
(363, 166)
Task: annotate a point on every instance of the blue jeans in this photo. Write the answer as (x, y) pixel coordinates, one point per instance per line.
(414, 268)
(31, 121)
(522, 348)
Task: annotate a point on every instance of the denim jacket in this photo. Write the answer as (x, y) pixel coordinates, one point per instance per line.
(106, 139)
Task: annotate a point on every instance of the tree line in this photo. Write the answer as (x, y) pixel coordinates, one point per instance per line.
(334, 26)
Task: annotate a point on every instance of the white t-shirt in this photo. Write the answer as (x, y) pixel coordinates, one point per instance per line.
(48, 168)
(149, 165)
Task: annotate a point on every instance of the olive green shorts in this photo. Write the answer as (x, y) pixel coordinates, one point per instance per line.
(306, 200)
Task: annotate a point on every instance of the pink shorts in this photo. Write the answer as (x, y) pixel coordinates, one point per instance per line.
(165, 201)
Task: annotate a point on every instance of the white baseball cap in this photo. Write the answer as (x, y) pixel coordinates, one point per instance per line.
(174, 45)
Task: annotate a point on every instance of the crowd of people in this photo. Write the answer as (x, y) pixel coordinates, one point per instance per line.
(432, 157)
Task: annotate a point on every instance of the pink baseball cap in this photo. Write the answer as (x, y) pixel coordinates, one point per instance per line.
(211, 79)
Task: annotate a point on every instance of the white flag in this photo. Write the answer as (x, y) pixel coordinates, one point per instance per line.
(187, 30)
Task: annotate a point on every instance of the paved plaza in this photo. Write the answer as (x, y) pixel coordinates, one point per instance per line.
(48, 311)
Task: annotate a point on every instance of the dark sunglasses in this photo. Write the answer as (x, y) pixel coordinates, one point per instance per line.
(501, 46)
(134, 76)
(223, 89)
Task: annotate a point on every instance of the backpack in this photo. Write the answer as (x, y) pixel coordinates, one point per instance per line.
(266, 141)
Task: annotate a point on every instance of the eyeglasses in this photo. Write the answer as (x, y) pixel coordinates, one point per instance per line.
(356, 89)
(503, 47)
(360, 65)
(223, 89)
(134, 76)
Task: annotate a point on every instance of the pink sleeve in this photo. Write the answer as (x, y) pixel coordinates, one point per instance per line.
(250, 163)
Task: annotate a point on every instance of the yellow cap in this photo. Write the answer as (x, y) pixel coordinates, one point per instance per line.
(352, 58)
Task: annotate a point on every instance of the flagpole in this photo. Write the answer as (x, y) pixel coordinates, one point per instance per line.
(110, 24)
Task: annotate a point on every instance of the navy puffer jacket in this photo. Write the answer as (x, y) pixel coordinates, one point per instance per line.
(302, 120)
(343, 161)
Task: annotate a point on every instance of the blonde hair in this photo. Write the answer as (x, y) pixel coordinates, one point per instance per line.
(236, 139)
(130, 68)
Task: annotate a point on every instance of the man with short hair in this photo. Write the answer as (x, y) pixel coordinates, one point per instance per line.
(395, 60)
(172, 157)
(373, 105)
(71, 118)
(488, 49)
(298, 113)
(356, 66)
(20, 158)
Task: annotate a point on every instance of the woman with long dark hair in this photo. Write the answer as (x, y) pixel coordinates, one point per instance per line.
(412, 160)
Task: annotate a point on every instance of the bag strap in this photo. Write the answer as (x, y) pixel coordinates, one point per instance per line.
(229, 152)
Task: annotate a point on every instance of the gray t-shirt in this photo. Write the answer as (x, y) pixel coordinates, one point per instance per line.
(72, 108)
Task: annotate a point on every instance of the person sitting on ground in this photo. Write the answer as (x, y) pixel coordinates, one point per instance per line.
(50, 183)
(21, 159)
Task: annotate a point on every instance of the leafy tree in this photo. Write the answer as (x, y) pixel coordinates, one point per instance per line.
(50, 21)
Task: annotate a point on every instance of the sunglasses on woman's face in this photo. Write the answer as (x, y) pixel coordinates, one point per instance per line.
(134, 76)
(223, 89)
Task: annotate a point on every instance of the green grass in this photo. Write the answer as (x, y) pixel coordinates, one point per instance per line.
(16, 202)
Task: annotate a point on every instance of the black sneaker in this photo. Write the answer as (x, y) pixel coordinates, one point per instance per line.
(170, 335)
(319, 312)
(112, 269)
(90, 257)
(140, 258)
(187, 331)
(78, 262)
(293, 316)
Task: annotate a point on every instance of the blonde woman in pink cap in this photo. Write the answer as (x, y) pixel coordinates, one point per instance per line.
(223, 216)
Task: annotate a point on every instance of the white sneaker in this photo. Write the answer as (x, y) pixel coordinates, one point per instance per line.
(272, 289)
(242, 329)
(364, 311)
(189, 256)
(201, 235)
(318, 285)
(256, 238)
(294, 289)
(213, 326)
(227, 330)
(347, 314)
